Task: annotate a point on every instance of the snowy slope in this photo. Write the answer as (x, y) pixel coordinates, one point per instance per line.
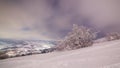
(101, 55)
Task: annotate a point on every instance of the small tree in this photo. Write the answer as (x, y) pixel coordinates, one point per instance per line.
(113, 36)
(79, 37)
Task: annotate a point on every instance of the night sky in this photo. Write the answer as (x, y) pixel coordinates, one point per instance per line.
(53, 19)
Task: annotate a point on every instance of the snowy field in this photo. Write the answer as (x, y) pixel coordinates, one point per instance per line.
(100, 55)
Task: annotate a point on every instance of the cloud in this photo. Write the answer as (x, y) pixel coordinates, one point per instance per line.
(52, 19)
(102, 15)
(100, 12)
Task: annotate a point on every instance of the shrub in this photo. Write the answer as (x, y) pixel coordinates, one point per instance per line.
(113, 36)
(79, 37)
(3, 55)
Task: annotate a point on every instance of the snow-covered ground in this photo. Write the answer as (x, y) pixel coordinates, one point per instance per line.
(100, 55)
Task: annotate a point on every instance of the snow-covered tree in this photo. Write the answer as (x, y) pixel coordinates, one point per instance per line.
(112, 36)
(79, 37)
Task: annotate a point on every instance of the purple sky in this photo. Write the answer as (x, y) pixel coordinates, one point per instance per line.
(52, 19)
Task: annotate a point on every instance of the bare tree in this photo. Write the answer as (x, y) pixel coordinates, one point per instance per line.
(79, 37)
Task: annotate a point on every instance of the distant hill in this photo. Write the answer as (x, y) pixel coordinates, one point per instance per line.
(4, 43)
